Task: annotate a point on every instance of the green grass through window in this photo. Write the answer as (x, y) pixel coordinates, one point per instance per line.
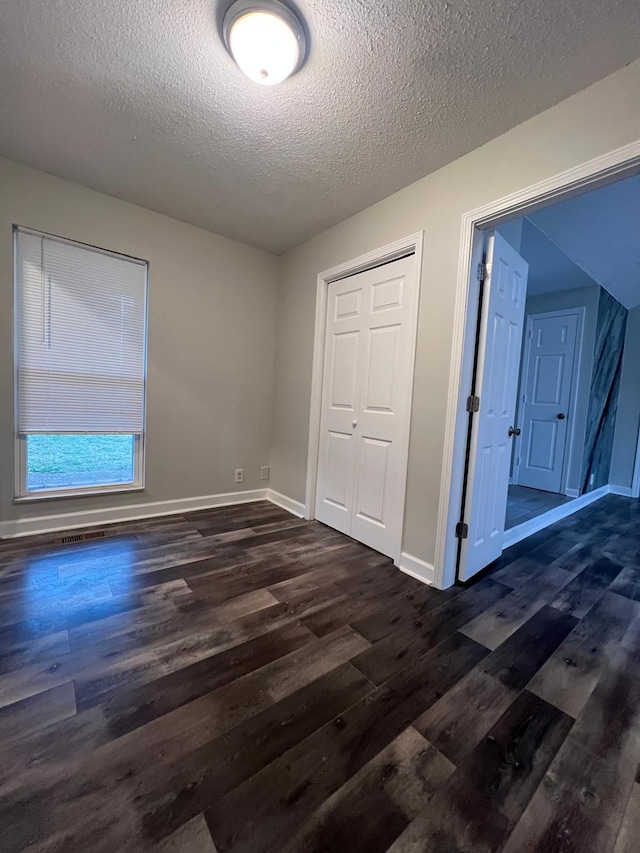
(58, 461)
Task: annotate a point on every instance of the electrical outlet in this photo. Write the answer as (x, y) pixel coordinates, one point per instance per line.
(591, 479)
(239, 478)
(264, 472)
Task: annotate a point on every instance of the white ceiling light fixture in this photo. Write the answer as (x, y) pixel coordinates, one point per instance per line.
(266, 39)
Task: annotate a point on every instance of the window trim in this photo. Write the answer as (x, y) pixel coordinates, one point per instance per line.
(21, 493)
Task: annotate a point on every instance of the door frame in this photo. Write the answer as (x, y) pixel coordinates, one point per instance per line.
(607, 169)
(412, 244)
(579, 312)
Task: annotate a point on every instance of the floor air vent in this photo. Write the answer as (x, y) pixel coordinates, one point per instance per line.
(80, 537)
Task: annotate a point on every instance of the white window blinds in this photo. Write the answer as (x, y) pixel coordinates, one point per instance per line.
(81, 326)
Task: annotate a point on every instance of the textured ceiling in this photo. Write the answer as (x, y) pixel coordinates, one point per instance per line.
(140, 100)
(600, 232)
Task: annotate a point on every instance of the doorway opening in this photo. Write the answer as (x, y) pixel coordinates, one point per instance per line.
(547, 449)
(576, 407)
(572, 401)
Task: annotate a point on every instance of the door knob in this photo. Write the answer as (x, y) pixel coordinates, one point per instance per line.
(561, 416)
(354, 424)
(514, 431)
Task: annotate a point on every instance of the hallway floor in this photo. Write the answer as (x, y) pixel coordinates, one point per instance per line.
(243, 681)
(523, 504)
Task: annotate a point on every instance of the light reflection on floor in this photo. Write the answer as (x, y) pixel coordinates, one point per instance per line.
(85, 580)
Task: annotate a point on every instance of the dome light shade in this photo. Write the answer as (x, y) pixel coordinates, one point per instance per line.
(265, 38)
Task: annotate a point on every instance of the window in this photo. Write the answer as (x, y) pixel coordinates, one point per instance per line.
(80, 318)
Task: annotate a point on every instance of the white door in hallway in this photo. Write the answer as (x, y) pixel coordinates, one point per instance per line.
(545, 404)
(499, 346)
(366, 404)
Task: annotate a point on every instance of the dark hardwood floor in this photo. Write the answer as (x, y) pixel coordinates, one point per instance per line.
(240, 680)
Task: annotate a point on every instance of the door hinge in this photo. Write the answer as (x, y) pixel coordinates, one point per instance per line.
(481, 272)
(473, 404)
(462, 530)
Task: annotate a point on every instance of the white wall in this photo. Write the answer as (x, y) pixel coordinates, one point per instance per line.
(628, 413)
(549, 267)
(512, 232)
(554, 141)
(212, 318)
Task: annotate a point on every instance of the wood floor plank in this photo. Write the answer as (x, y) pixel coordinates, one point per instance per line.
(192, 837)
(628, 583)
(123, 622)
(518, 658)
(463, 716)
(35, 713)
(34, 757)
(519, 570)
(508, 765)
(349, 607)
(609, 725)
(262, 683)
(226, 762)
(249, 528)
(571, 673)
(140, 656)
(16, 608)
(128, 710)
(588, 587)
(290, 789)
(484, 798)
(570, 811)
(219, 589)
(66, 618)
(313, 580)
(402, 613)
(187, 727)
(165, 591)
(582, 801)
(139, 665)
(381, 661)
(242, 605)
(629, 832)
(15, 656)
(382, 797)
(500, 620)
(631, 639)
(455, 820)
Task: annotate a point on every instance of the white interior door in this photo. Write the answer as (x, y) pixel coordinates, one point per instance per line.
(499, 347)
(366, 404)
(546, 384)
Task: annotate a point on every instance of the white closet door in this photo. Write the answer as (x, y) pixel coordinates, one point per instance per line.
(368, 379)
(501, 329)
(336, 458)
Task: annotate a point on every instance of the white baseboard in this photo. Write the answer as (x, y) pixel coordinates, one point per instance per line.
(528, 528)
(573, 493)
(625, 491)
(294, 507)
(416, 568)
(94, 517)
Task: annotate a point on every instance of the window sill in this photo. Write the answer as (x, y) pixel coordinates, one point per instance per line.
(78, 493)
